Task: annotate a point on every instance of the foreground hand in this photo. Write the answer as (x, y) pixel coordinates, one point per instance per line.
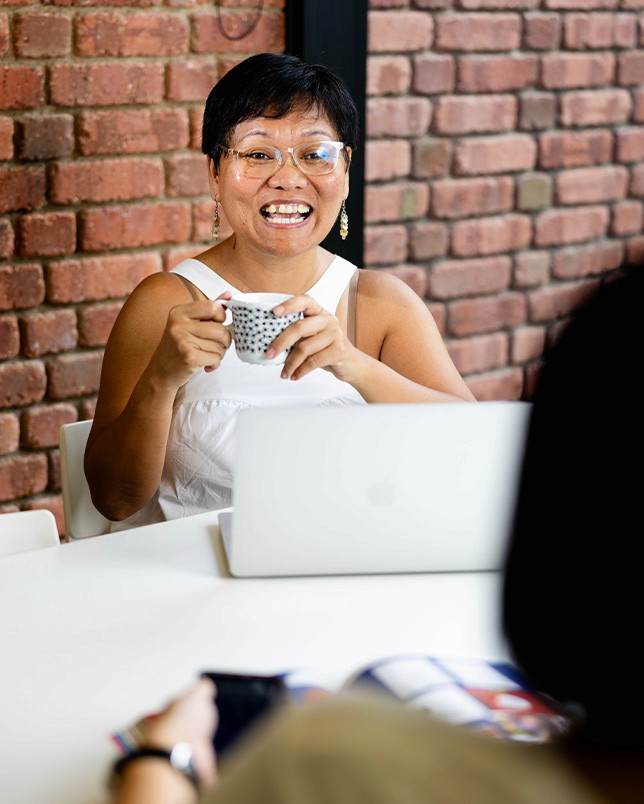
(194, 338)
(317, 341)
(191, 718)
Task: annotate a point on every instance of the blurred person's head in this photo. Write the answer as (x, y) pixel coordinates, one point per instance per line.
(572, 593)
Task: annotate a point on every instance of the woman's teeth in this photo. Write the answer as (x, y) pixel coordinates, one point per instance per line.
(286, 213)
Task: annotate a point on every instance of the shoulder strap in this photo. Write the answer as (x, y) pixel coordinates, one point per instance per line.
(351, 307)
(202, 277)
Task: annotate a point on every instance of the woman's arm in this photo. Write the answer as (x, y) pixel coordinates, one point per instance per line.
(192, 719)
(160, 338)
(399, 355)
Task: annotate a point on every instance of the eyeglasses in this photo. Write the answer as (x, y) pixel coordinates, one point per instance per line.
(262, 161)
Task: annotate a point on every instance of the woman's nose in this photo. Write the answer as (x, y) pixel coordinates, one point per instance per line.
(288, 174)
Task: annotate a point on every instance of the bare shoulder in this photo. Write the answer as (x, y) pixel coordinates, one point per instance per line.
(386, 307)
(145, 312)
(381, 286)
(383, 295)
(162, 288)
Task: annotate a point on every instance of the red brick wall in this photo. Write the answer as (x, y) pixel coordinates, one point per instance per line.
(502, 158)
(503, 141)
(102, 182)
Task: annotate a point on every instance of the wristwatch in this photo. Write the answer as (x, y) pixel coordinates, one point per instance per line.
(179, 757)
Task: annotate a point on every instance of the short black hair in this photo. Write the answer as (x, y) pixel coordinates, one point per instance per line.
(273, 85)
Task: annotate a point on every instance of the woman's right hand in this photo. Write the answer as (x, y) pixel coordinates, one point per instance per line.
(194, 337)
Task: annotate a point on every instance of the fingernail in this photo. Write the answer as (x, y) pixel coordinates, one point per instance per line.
(269, 353)
(279, 309)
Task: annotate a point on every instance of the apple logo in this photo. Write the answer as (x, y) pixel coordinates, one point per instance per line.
(383, 492)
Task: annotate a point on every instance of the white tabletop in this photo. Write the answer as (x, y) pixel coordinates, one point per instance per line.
(99, 632)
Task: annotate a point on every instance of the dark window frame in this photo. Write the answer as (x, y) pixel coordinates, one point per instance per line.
(334, 33)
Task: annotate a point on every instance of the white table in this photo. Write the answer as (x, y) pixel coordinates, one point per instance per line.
(99, 632)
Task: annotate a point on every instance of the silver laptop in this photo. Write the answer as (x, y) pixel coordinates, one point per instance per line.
(381, 488)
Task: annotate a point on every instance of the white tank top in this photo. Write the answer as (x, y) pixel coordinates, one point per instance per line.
(198, 468)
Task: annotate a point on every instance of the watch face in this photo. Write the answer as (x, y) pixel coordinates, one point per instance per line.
(181, 757)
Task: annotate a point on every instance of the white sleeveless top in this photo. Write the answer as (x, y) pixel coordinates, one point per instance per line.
(198, 469)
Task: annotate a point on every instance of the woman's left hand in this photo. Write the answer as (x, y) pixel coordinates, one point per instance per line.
(191, 717)
(316, 341)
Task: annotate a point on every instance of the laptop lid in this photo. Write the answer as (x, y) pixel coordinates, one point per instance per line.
(379, 488)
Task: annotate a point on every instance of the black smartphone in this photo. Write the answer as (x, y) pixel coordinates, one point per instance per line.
(241, 700)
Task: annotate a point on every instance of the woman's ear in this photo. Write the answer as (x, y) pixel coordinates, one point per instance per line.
(348, 160)
(346, 175)
(213, 178)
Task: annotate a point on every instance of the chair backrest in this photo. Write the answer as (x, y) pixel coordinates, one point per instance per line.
(27, 530)
(81, 517)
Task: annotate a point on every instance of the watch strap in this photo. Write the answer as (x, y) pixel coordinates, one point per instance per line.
(176, 758)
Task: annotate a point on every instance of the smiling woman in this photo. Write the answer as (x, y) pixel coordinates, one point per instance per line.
(278, 135)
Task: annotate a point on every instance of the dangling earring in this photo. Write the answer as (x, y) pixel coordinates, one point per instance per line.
(215, 222)
(344, 222)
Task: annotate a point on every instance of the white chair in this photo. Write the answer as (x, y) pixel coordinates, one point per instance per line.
(27, 530)
(82, 519)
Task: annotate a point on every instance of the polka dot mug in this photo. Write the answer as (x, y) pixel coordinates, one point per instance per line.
(255, 326)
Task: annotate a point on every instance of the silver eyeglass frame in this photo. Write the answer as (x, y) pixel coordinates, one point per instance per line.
(279, 155)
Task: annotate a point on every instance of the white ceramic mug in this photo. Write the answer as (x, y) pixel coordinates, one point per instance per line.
(254, 326)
